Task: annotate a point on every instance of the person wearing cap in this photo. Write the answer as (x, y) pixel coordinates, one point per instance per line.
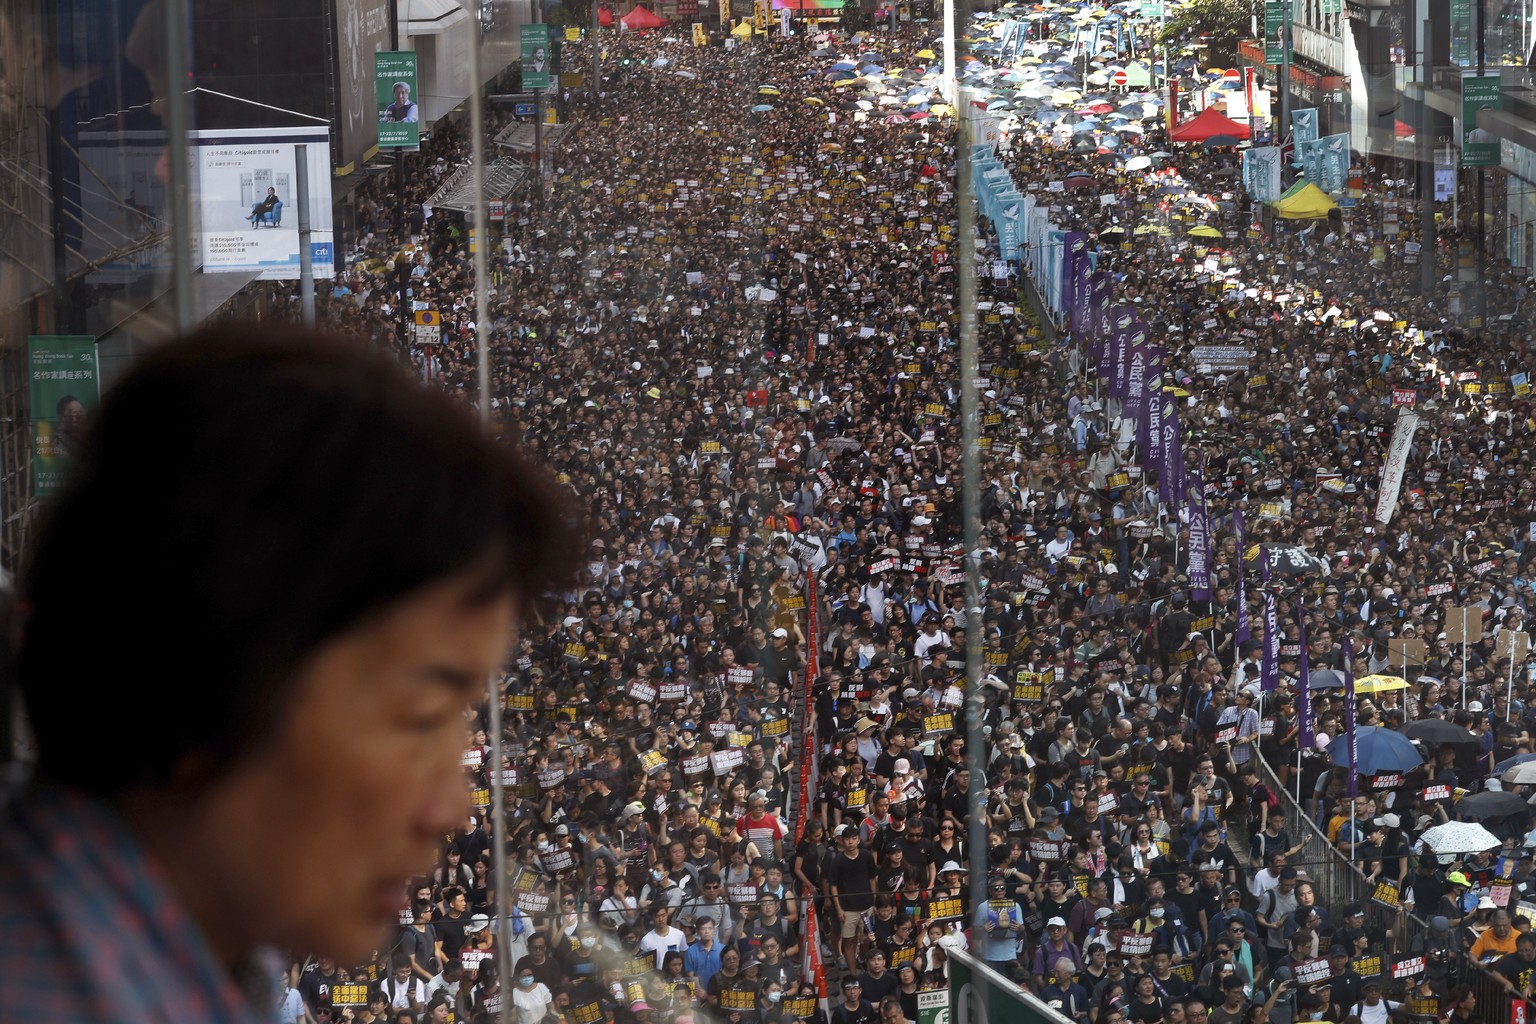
(1055, 945)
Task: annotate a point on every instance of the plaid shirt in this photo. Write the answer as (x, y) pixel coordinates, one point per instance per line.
(89, 930)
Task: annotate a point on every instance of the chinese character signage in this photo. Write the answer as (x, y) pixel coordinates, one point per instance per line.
(1479, 146)
(394, 87)
(64, 388)
(1276, 13)
(535, 56)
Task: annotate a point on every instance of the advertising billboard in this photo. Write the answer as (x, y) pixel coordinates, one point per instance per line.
(535, 56)
(247, 201)
(64, 387)
(1479, 147)
(394, 91)
(362, 30)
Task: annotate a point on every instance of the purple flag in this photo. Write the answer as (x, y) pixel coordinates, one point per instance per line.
(1152, 450)
(1140, 389)
(1081, 296)
(1199, 537)
(1099, 286)
(1244, 630)
(1269, 665)
(1305, 737)
(1349, 719)
(1074, 247)
(1170, 484)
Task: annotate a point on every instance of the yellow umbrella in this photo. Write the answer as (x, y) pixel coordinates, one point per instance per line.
(831, 147)
(815, 101)
(1205, 231)
(927, 54)
(742, 31)
(1152, 229)
(1380, 684)
(941, 110)
(1031, 59)
(767, 90)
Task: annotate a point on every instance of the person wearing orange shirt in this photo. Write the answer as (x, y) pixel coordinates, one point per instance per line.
(1500, 938)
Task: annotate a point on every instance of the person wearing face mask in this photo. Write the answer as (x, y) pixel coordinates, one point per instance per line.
(769, 999)
(531, 998)
(580, 958)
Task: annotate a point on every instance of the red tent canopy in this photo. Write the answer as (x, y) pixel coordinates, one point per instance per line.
(604, 17)
(640, 18)
(1209, 124)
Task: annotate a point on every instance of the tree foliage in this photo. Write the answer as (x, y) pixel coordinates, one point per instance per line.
(1221, 22)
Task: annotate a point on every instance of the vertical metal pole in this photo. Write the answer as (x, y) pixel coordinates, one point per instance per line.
(597, 54)
(178, 120)
(402, 268)
(1482, 203)
(498, 811)
(534, 17)
(1285, 74)
(306, 257)
(1425, 145)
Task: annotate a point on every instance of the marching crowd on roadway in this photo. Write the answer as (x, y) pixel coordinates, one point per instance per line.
(732, 332)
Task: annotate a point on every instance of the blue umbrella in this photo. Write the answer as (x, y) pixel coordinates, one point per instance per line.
(1377, 750)
(761, 108)
(844, 65)
(1509, 762)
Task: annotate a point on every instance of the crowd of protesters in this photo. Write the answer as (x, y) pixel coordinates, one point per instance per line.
(733, 334)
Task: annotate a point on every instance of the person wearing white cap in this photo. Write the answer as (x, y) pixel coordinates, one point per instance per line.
(1056, 945)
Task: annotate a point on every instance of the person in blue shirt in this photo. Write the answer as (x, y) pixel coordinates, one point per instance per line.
(702, 957)
(999, 925)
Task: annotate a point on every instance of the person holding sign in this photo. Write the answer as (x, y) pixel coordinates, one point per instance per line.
(1001, 925)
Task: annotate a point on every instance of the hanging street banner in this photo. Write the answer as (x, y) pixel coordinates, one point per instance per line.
(394, 88)
(1303, 126)
(64, 389)
(1332, 153)
(1275, 16)
(1461, 31)
(1261, 173)
(1479, 147)
(535, 56)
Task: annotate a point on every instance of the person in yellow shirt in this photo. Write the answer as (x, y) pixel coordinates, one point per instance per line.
(1499, 939)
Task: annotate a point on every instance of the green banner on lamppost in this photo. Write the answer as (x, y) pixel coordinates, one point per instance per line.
(394, 86)
(64, 388)
(1461, 31)
(535, 56)
(1479, 147)
(1276, 12)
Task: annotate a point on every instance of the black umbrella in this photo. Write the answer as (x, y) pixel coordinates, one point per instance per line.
(1325, 679)
(1490, 804)
(1217, 141)
(1437, 730)
(1285, 560)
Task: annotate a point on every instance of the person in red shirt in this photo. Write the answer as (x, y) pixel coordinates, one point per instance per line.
(760, 828)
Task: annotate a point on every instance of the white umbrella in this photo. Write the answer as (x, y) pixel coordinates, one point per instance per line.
(1460, 837)
(1522, 774)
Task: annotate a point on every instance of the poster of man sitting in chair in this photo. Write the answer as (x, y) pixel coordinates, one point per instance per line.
(246, 181)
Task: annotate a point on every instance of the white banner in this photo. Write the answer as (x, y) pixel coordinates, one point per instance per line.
(1396, 465)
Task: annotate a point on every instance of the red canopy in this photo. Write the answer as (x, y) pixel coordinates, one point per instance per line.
(604, 17)
(1209, 124)
(640, 18)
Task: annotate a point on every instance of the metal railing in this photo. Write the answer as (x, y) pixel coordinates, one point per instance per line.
(1337, 882)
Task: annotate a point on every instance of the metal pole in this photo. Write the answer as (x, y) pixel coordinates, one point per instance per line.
(597, 54)
(1285, 75)
(1482, 225)
(306, 257)
(177, 121)
(970, 467)
(498, 811)
(402, 268)
(1425, 145)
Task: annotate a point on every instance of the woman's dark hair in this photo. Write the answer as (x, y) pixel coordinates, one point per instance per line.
(241, 501)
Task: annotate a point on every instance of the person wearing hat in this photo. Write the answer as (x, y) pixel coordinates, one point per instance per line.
(1055, 945)
(852, 884)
